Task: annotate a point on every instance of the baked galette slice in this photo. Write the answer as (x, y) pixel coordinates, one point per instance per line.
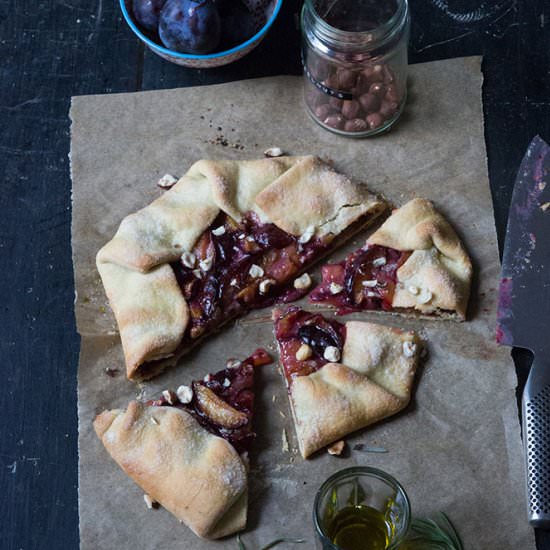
(414, 262)
(188, 450)
(229, 236)
(342, 377)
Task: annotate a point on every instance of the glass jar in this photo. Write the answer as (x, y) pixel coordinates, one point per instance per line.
(361, 508)
(354, 54)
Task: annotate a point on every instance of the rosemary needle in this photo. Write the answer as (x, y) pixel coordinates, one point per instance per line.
(279, 541)
(272, 544)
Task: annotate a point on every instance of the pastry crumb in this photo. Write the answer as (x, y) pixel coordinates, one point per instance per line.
(409, 348)
(150, 502)
(285, 442)
(544, 207)
(170, 397)
(307, 235)
(188, 259)
(282, 414)
(337, 448)
(425, 296)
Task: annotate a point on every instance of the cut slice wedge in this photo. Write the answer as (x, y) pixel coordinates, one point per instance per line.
(342, 377)
(413, 264)
(188, 450)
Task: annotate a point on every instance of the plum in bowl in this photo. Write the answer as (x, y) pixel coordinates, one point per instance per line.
(200, 33)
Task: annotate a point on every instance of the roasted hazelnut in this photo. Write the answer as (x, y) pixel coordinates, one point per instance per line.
(369, 102)
(350, 109)
(356, 125)
(323, 111)
(388, 109)
(331, 81)
(337, 448)
(391, 93)
(362, 85)
(377, 89)
(336, 103)
(374, 120)
(346, 79)
(335, 121)
(374, 73)
(378, 73)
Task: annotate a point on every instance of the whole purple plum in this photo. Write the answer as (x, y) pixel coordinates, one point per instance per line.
(147, 13)
(190, 26)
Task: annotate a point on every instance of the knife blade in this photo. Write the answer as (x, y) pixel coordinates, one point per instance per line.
(523, 315)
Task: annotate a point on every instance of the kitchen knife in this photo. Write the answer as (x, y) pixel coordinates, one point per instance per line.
(523, 318)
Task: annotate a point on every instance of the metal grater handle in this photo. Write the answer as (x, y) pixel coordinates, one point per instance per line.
(536, 439)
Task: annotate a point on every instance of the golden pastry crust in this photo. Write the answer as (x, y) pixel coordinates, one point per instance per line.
(323, 199)
(150, 311)
(195, 475)
(436, 277)
(153, 321)
(373, 381)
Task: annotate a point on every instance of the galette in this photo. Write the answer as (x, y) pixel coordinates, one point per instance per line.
(188, 450)
(342, 377)
(229, 236)
(414, 263)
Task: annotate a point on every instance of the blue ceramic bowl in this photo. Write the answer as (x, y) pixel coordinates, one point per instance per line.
(205, 61)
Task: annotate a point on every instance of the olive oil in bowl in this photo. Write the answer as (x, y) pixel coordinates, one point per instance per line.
(361, 508)
(360, 528)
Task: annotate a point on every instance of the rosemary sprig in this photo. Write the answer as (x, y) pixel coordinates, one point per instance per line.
(272, 544)
(427, 534)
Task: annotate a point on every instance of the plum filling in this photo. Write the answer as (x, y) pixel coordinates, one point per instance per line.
(238, 266)
(303, 340)
(223, 402)
(365, 280)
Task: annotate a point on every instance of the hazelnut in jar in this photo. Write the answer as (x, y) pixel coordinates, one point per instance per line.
(354, 54)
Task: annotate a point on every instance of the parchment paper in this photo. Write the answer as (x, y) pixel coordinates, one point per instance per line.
(456, 448)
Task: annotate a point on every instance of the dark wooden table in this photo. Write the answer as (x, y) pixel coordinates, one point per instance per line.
(51, 50)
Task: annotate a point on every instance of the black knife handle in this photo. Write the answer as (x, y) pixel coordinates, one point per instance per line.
(536, 439)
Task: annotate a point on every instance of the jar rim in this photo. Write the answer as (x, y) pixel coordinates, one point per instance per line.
(372, 38)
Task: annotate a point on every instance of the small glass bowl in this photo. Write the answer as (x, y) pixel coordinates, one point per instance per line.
(362, 485)
(204, 61)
